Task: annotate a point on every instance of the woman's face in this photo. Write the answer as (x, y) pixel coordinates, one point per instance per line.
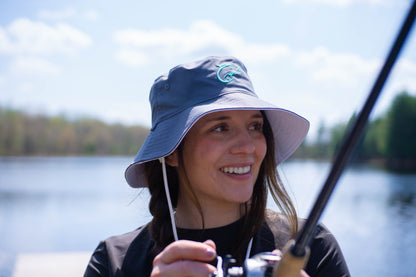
(222, 154)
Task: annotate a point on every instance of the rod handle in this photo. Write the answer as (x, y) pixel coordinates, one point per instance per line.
(290, 265)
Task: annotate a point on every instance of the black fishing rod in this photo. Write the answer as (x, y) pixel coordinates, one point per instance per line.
(296, 252)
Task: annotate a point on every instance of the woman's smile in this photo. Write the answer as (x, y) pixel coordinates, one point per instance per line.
(236, 170)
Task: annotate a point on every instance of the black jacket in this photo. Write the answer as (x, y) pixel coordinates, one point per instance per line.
(129, 254)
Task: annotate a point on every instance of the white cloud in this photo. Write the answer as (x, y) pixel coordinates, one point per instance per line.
(91, 15)
(26, 87)
(67, 13)
(57, 14)
(24, 36)
(405, 78)
(339, 83)
(336, 68)
(2, 80)
(138, 47)
(34, 66)
(340, 3)
(349, 2)
(402, 78)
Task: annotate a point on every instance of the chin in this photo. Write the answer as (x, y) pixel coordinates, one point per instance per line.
(243, 197)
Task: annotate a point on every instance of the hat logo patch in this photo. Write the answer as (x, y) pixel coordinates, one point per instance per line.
(226, 72)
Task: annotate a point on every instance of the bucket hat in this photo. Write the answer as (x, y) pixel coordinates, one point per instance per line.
(190, 91)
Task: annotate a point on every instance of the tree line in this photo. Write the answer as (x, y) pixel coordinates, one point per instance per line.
(24, 134)
(390, 140)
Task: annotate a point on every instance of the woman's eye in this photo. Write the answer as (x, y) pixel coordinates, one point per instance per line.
(220, 128)
(257, 126)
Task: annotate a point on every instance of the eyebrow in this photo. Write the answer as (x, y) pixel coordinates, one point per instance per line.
(219, 118)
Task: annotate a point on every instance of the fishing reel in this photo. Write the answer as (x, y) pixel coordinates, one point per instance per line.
(260, 265)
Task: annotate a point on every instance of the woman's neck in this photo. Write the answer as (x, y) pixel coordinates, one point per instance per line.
(188, 216)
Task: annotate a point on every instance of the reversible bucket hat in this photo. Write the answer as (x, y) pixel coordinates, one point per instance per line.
(190, 91)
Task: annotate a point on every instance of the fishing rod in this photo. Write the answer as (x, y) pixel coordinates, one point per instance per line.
(296, 252)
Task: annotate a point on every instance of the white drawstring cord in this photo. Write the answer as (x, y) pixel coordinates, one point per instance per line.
(249, 248)
(171, 211)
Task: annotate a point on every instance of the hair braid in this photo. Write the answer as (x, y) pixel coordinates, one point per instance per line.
(161, 226)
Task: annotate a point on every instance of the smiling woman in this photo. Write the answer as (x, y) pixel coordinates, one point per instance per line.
(209, 161)
(224, 151)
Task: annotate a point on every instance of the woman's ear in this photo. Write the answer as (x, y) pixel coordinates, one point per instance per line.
(172, 159)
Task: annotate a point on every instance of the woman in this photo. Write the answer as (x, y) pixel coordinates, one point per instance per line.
(209, 162)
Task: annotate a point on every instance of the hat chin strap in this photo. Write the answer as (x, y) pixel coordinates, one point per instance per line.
(171, 211)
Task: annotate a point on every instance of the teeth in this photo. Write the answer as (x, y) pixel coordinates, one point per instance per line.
(236, 170)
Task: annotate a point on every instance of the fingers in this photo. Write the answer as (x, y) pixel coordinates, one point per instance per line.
(277, 252)
(210, 243)
(185, 258)
(188, 250)
(183, 268)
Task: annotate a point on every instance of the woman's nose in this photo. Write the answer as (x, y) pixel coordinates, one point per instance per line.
(243, 143)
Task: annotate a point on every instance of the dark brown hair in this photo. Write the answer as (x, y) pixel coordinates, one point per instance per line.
(268, 180)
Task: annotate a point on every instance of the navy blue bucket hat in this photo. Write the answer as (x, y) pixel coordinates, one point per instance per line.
(190, 91)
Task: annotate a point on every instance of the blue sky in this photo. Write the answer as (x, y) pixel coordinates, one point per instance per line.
(318, 58)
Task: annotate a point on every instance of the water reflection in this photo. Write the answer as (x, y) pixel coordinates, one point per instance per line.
(402, 195)
(70, 204)
(371, 212)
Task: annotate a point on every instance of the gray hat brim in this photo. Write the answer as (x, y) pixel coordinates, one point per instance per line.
(289, 131)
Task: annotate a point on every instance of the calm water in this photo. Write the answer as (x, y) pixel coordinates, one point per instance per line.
(69, 204)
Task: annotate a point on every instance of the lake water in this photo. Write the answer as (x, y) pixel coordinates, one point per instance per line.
(70, 204)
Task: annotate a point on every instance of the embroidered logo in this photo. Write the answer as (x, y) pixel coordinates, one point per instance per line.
(226, 72)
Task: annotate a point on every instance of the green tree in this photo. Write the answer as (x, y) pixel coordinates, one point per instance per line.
(401, 132)
(11, 132)
(28, 134)
(373, 144)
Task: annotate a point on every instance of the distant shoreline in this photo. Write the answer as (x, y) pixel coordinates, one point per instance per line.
(397, 166)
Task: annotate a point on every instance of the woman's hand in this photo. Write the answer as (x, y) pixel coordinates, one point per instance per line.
(303, 274)
(185, 258)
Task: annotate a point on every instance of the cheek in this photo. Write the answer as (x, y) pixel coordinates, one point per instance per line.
(199, 156)
(206, 149)
(261, 149)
